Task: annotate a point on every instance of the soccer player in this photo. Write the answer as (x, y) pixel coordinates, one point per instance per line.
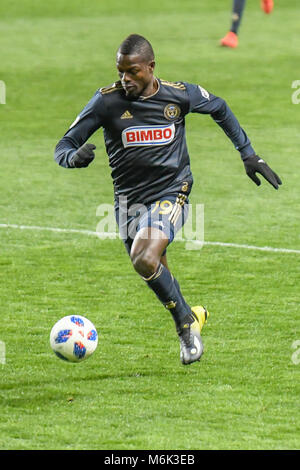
(231, 38)
(143, 118)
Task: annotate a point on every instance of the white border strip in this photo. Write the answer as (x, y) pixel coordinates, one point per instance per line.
(115, 235)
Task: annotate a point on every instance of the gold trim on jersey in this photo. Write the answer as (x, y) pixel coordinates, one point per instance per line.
(177, 85)
(176, 211)
(109, 89)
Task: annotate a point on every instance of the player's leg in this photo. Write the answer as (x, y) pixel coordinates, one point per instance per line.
(237, 13)
(164, 261)
(231, 38)
(148, 255)
(199, 311)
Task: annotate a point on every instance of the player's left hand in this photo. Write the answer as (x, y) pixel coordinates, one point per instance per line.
(83, 157)
(254, 164)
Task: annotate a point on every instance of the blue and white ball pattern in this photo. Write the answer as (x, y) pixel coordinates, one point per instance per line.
(73, 338)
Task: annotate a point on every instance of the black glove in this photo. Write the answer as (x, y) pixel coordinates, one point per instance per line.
(255, 164)
(83, 157)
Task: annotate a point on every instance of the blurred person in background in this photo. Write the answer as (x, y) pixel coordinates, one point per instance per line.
(231, 38)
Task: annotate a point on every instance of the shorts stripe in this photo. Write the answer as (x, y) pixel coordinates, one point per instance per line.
(176, 211)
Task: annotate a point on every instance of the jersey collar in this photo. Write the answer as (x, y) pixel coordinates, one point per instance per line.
(143, 98)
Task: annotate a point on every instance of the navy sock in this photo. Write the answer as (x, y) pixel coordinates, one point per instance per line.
(237, 13)
(168, 292)
(179, 291)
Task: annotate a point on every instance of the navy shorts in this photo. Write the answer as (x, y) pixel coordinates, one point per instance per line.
(167, 214)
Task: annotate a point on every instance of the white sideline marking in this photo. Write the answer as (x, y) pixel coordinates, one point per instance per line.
(112, 235)
(49, 229)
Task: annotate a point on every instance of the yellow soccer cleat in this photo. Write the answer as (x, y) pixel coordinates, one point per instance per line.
(202, 315)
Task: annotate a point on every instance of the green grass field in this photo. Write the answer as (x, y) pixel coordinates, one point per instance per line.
(134, 393)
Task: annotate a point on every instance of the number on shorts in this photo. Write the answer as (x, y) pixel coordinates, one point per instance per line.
(165, 207)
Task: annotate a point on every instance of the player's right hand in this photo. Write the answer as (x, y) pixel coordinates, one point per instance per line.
(83, 156)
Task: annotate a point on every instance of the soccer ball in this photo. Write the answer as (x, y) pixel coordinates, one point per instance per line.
(73, 338)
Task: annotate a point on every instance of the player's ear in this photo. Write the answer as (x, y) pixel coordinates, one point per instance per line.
(151, 65)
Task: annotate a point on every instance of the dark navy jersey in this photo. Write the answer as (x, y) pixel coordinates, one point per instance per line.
(145, 138)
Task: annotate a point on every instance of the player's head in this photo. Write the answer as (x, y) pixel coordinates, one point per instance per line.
(135, 64)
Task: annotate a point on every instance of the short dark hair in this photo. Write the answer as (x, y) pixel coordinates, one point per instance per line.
(135, 44)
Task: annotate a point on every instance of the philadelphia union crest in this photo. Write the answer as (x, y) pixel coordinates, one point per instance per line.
(172, 111)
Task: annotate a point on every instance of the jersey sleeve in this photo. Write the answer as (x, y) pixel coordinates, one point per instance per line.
(87, 122)
(203, 102)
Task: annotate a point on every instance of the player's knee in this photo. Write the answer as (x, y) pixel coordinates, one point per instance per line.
(145, 262)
